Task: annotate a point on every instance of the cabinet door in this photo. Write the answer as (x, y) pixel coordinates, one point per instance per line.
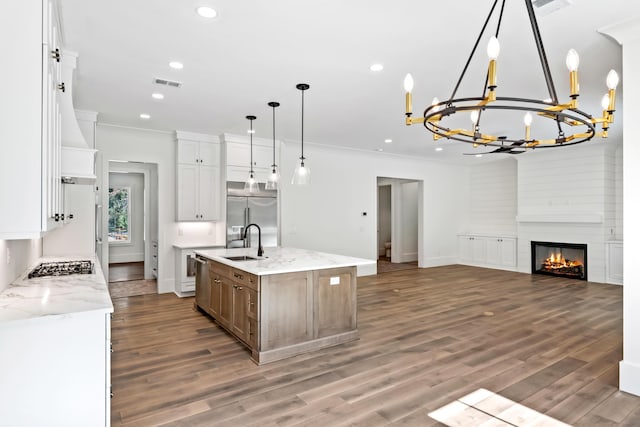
(188, 152)
(465, 249)
(508, 252)
(225, 315)
(187, 192)
(479, 249)
(262, 157)
(215, 296)
(203, 284)
(494, 251)
(209, 154)
(209, 193)
(240, 323)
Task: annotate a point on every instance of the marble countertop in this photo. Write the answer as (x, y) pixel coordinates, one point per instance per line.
(44, 297)
(282, 260)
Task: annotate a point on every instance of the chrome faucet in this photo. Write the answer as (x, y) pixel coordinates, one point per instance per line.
(260, 251)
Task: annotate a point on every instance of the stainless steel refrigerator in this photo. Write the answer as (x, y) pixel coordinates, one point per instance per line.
(244, 208)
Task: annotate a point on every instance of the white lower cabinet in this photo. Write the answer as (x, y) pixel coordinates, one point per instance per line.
(56, 370)
(487, 251)
(614, 265)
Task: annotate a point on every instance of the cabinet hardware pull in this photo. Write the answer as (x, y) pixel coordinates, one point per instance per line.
(239, 288)
(61, 87)
(56, 217)
(237, 276)
(55, 54)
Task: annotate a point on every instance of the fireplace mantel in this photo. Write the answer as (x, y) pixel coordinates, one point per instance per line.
(562, 217)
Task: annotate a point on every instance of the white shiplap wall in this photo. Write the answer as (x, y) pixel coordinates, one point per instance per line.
(568, 195)
(493, 198)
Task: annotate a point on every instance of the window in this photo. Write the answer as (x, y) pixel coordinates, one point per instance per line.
(119, 215)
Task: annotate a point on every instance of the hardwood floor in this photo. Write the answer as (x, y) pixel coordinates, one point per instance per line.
(385, 265)
(427, 338)
(127, 280)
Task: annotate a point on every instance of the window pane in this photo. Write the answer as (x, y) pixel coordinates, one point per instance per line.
(119, 214)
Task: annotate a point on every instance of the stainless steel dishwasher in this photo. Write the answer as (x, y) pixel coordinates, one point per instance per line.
(203, 288)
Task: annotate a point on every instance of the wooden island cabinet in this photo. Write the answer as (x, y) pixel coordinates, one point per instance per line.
(281, 312)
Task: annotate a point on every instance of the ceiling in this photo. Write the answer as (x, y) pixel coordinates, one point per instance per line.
(256, 51)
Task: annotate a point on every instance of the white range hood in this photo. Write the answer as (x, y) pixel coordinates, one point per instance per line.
(78, 156)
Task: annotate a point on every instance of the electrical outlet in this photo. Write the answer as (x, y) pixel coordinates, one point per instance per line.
(8, 256)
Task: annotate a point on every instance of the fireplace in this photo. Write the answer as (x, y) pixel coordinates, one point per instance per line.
(559, 259)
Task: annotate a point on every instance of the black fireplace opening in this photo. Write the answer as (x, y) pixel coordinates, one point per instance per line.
(559, 259)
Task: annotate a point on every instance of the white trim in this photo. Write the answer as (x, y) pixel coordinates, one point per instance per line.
(630, 378)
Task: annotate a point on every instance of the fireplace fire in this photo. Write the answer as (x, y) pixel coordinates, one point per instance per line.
(559, 259)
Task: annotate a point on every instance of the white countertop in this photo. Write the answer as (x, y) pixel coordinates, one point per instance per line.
(55, 296)
(282, 260)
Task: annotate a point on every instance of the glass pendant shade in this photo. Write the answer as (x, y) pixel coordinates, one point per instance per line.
(272, 181)
(251, 184)
(302, 174)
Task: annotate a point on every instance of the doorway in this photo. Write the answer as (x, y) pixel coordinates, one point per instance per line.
(130, 217)
(399, 228)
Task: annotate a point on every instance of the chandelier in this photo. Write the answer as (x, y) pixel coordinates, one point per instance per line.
(572, 125)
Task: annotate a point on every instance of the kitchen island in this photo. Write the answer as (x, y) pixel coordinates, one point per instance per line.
(287, 302)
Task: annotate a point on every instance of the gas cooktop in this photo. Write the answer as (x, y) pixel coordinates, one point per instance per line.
(62, 268)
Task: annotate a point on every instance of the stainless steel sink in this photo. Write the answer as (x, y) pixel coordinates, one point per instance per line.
(240, 258)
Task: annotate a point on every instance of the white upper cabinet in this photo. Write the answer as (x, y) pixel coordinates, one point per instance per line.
(237, 156)
(30, 174)
(199, 190)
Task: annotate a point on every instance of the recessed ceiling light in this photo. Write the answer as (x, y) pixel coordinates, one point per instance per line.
(145, 116)
(376, 67)
(439, 148)
(206, 12)
(176, 65)
(157, 96)
(478, 155)
(388, 141)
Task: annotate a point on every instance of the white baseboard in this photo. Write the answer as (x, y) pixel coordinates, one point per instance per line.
(438, 261)
(630, 378)
(132, 257)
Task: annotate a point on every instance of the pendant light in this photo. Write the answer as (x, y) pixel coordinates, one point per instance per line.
(302, 174)
(272, 182)
(251, 185)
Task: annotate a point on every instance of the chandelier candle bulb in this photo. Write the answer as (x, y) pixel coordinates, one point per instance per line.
(528, 118)
(408, 88)
(573, 60)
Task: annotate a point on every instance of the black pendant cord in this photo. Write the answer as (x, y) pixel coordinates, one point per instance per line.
(302, 133)
(274, 139)
(473, 51)
(251, 119)
(541, 53)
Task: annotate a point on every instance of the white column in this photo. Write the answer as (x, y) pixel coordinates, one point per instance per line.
(628, 35)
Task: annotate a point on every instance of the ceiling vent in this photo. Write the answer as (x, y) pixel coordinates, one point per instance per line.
(165, 82)
(545, 7)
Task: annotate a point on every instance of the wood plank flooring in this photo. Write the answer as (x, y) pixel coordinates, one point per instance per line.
(427, 338)
(127, 280)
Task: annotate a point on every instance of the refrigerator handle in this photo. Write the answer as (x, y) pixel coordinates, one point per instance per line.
(247, 221)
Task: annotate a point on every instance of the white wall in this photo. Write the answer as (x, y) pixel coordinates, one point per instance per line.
(119, 143)
(132, 251)
(493, 198)
(628, 34)
(20, 254)
(327, 215)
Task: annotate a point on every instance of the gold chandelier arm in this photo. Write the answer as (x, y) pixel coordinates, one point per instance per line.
(413, 120)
